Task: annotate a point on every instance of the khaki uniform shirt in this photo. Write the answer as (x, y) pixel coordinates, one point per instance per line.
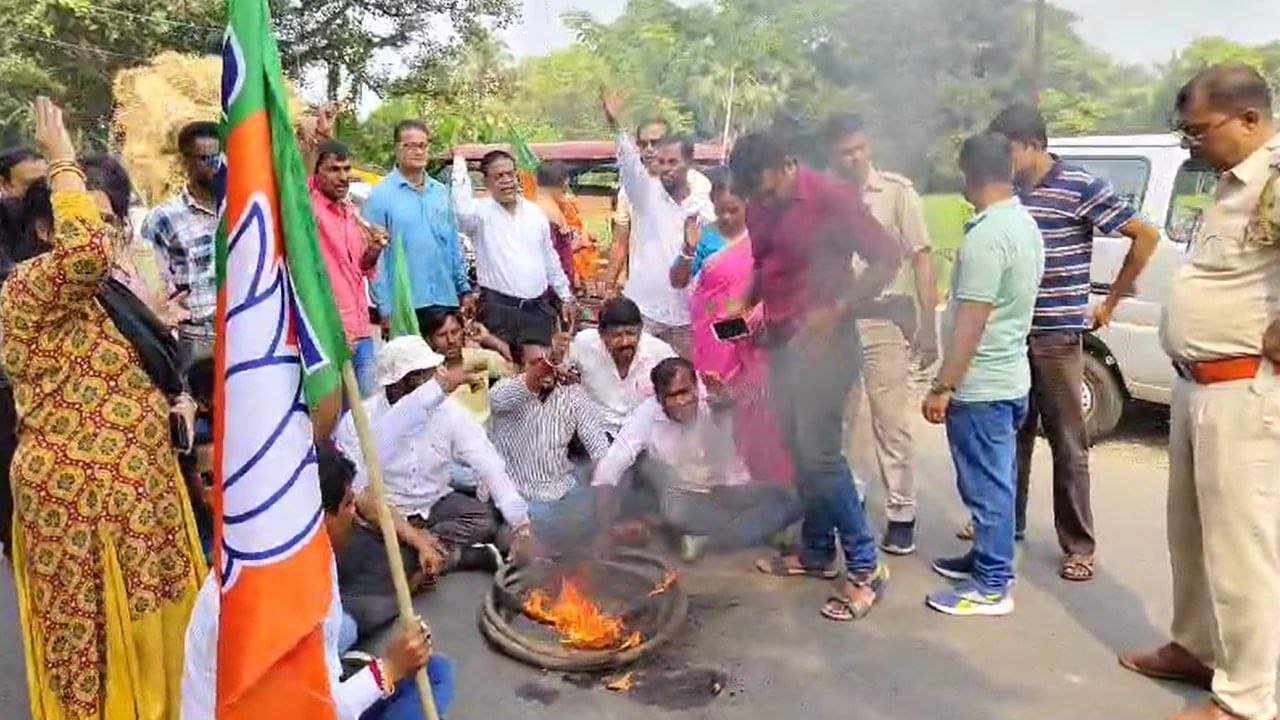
(1227, 291)
(896, 205)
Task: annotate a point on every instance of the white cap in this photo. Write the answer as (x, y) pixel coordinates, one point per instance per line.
(404, 355)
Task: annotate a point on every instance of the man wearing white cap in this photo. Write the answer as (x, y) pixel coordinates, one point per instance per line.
(418, 437)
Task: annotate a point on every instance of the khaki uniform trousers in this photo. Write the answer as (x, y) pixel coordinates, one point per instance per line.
(886, 370)
(1224, 516)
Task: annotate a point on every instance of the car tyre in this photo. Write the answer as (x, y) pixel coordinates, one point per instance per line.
(1103, 398)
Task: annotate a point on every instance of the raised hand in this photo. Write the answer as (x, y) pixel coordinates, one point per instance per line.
(611, 103)
(50, 133)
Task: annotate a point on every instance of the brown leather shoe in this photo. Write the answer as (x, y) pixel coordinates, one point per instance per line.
(1208, 711)
(1170, 662)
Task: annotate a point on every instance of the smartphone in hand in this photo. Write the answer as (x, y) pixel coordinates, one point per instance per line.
(731, 328)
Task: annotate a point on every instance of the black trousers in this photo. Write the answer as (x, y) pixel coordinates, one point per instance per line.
(8, 443)
(510, 318)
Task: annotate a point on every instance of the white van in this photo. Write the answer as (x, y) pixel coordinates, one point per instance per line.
(1125, 360)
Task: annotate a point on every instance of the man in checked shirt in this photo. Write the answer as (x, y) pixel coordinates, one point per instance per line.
(182, 228)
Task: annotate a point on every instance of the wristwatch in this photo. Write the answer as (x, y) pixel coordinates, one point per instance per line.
(941, 388)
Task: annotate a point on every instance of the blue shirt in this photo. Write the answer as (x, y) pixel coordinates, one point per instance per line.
(1069, 205)
(998, 264)
(432, 248)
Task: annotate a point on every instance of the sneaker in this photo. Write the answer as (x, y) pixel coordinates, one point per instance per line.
(899, 538)
(693, 547)
(956, 568)
(968, 599)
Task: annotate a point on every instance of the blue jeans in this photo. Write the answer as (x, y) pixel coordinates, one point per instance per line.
(565, 523)
(362, 362)
(983, 439)
(406, 704)
(810, 385)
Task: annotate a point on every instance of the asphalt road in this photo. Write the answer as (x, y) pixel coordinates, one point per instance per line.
(763, 640)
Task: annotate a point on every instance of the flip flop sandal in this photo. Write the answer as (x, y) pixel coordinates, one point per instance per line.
(778, 567)
(1076, 568)
(966, 531)
(841, 608)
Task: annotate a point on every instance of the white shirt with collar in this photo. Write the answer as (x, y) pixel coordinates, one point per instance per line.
(417, 440)
(351, 697)
(701, 453)
(514, 252)
(657, 234)
(617, 396)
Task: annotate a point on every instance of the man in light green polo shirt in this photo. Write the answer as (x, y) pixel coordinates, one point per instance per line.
(981, 390)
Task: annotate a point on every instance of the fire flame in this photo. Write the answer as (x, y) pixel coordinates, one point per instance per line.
(665, 583)
(579, 621)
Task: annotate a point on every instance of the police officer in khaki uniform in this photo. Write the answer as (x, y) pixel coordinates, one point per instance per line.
(886, 350)
(1222, 329)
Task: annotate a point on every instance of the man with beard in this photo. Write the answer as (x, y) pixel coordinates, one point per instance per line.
(1221, 327)
(536, 416)
(1071, 207)
(661, 204)
(516, 264)
(350, 253)
(615, 360)
(182, 229)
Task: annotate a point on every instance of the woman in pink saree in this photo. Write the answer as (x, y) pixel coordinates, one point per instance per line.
(716, 265)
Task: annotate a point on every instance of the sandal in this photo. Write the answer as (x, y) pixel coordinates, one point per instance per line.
(842, 608)
(966, 531)
(1076, 567)
(778, 567)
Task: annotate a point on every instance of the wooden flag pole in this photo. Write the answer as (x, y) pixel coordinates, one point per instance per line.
(389, 540)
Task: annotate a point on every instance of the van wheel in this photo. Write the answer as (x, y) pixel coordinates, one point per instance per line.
(1102, 398)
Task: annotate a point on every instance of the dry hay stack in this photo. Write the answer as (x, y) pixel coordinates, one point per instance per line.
(152, 104)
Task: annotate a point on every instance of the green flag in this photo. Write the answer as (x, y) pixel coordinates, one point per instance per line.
(267, 202)
(404, 319)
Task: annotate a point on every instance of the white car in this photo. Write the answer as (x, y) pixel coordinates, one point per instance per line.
(1125, 360)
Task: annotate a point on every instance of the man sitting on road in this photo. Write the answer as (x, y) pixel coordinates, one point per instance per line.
(536, 416)
(615, 361)
(445, 331)
(418, 436)
(705, 492)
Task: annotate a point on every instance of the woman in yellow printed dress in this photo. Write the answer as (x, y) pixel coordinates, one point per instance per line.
(106, 556)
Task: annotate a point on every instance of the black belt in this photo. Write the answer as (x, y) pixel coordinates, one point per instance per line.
(498, 298)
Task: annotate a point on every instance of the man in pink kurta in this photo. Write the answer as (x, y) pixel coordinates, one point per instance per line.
(350, 252)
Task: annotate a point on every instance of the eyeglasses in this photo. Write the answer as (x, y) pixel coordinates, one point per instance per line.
(413, 147)
(646, 144)
(1192, 135)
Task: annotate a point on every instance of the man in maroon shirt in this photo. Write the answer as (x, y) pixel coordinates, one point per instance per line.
(805, 228)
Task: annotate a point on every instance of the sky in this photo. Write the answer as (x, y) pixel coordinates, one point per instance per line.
(1134, 31)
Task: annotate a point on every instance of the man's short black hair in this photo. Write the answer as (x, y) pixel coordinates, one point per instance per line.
(1022, 123)
(330, 148)
(191, 132)
(1229, 87)
(987, 158)
(409, 124)
(552, 173)
(619, 312)
(435, 318)
(336, 476)
(842, 125)
(533, 339)
(9, 157)
(721, 180)
(666, 125)
(684, 141)
(492, 157)
(751, 156)
(665, 372)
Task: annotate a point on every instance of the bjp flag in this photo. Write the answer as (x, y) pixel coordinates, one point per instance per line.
(280, 349)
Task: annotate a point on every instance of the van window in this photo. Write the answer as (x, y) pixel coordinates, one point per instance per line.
(1128, 175)
(1192, 193)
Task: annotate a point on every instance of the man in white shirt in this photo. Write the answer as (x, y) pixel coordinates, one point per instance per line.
(705, 492)
(422, 441)
(661, 205)
(359, 697)
(614, 361)
(516, 262)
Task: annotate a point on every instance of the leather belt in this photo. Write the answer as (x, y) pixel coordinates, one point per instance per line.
(496, 298)
(1210, 372)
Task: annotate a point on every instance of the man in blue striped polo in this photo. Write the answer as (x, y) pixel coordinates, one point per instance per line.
(1071, 207)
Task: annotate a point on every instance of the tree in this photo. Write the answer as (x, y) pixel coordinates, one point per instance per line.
(342, 38)
(73, 49)
(1200, 54)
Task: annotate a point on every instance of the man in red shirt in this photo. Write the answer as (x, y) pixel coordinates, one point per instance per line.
(350, 251)
(805, 228)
